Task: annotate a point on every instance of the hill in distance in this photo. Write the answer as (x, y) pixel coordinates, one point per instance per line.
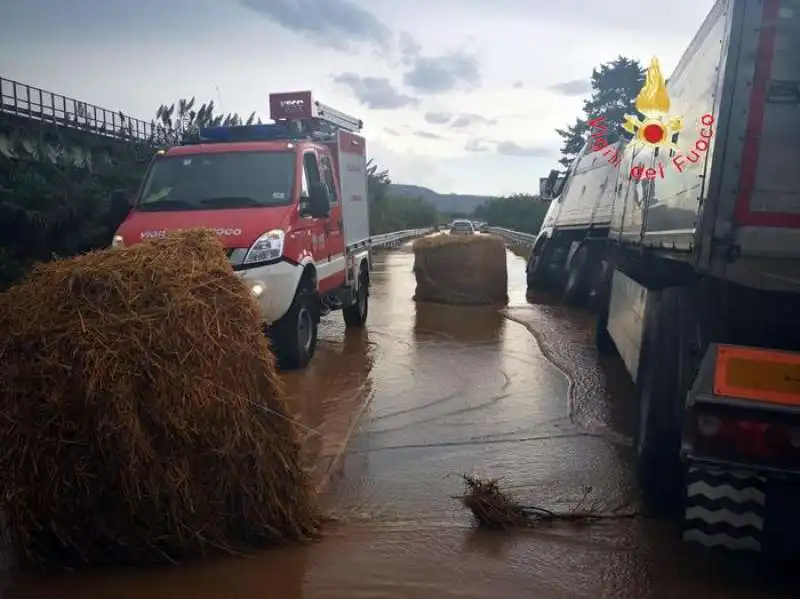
(445, 203)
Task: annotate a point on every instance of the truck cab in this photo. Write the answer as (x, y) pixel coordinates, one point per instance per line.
(288, 201)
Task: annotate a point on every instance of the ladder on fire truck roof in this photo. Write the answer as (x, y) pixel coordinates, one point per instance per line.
(297, 116)
(300, 113)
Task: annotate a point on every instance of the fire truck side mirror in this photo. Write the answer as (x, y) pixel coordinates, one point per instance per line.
(319, 205)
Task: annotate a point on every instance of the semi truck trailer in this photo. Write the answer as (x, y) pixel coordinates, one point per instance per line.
(689, 250)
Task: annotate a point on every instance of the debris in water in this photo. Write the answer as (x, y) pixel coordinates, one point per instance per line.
(494, 508)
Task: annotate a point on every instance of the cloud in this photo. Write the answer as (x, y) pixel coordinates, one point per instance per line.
(518, 85)
(375, 92)
(511, 148)
(576, 87)
(392, 132)
(468, 120)
(342, 24)
(432, 75)
(335, 23)
(438, 118)
(427, 135)
(477, 145)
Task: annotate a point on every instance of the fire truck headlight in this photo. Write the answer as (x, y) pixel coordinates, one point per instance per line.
(117, 241)
(268, 246)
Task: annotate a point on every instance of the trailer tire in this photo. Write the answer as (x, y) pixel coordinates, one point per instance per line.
(602, 338)
(355, 315)
(578, 283)
(294, 336)
(659, 406)
(535, 269)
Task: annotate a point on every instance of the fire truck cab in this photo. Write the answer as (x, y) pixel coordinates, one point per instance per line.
(288, 200)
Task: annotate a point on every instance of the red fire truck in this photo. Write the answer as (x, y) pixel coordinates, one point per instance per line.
(289, 202)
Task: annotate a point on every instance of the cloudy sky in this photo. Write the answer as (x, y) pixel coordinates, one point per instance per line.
(458, 95)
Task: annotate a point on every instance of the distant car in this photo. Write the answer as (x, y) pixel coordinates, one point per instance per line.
(462, 227)
(484, 228)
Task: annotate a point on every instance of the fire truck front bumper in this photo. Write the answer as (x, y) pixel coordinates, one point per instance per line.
(273, 287)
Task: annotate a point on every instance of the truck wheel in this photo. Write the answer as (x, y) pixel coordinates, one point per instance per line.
(600, 298)
(659, 402)
(355, 315)
(535, 268)
(577, 286)
(294, 336)
(602, 339)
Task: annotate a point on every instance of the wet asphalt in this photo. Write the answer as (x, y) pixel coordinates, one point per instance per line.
(397, 413)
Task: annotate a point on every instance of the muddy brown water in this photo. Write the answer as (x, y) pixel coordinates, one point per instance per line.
(428, 393)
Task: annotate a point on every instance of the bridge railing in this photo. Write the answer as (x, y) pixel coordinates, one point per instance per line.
(387, 240)
(517, 238)
(31, 102)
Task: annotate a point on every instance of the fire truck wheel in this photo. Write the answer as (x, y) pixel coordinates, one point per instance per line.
(294, 337)
(355, 315)
(659, 405)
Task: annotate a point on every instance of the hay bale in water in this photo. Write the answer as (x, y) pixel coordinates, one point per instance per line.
(461, 269)
(142, 419)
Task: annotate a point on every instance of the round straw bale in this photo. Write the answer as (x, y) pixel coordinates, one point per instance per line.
(142, 416)
(461, 269)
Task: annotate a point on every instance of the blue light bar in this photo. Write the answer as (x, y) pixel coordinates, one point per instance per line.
(244, 133)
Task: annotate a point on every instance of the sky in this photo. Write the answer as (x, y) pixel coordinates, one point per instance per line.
(461, 96)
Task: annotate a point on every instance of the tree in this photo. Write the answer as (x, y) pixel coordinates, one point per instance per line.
(389, 213)
(180, 119)
(615, 86)
(521, 212)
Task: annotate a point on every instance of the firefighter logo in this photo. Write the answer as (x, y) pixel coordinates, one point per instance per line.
(656, 129)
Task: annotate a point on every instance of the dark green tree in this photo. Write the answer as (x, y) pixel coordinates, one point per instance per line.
(615, 86)
(521, 212)
(391, 213)
(174, 122)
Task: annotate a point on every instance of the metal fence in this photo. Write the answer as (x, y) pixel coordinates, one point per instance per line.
(514, 237)
(34, 103)
(388, 240)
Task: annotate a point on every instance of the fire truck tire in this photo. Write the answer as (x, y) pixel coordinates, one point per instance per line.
(355, 315)
(578, 283)
(659, 406)
(294, 336)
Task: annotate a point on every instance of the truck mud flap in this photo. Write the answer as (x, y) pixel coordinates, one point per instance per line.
(743, 511)
(725, 508)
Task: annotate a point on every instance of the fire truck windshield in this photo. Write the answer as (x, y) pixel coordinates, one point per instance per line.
(224, 180)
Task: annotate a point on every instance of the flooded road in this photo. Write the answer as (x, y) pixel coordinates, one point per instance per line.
(424, 395)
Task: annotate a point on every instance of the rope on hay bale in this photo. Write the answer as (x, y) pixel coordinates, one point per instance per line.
(461, 269)
(493, 508)
(142, 415)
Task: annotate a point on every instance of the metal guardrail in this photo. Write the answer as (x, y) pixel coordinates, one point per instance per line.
(396, 238)
(34, 103)
(514, 237)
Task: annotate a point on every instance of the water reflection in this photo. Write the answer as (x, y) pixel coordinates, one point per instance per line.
(458, 324)
(278, 574)
(330, 394)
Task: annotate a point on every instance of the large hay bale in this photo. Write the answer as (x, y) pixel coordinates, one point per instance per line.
(142, 419)
(461, 269)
